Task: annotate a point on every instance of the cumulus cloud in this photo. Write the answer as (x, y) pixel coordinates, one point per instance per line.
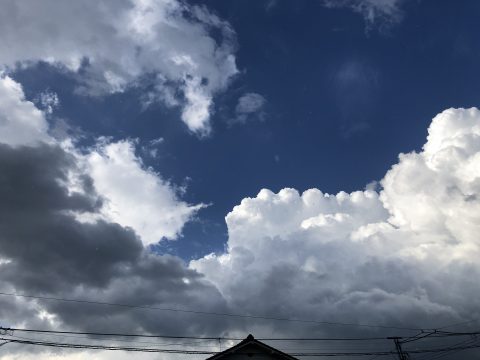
(365, 257)
(166, 44)
(49, 252)
(21, 123)
(136, 196)
(376, 13)
(133, 195)
(48, 190)
(373, 257)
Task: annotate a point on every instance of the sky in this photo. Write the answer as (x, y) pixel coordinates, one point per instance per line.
(281, 159)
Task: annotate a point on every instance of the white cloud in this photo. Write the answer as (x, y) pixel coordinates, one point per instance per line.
(197, 109)
(21, 123)
(43, 183)
(116, 45)
(380, 13)
(48, 100)
(369, 257)
(366, 257)
(136, 196)
(443, 183)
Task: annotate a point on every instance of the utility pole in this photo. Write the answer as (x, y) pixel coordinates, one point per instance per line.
(398, 346)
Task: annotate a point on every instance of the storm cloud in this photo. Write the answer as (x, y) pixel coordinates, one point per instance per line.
(366, 257)
(78, 221)
(47, 252)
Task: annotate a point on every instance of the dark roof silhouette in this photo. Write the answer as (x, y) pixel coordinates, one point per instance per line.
(250, 347)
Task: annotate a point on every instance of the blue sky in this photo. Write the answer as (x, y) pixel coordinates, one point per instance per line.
(342, 99)
(277, 159)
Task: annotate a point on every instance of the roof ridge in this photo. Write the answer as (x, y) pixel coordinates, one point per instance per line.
(250, 339)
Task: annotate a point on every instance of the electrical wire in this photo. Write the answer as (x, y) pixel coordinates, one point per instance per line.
(450, 352)
(184, 337)
(455, 324)
(106, 347)
(454, 348)
(118, 334)
(324, 339)
(197, 352)
(192, 345)
(417, 337)
(449, 348)
(171, 351)
(113, 339)
(354, 345)
(189, 311)
(103, 334)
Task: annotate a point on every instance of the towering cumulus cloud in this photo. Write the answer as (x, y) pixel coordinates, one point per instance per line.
(165, 45)
(385, 258)
(366, 257)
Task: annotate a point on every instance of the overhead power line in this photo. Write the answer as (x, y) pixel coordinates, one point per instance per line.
(117, 334)
(127, 341)
(216, 338)
(439, 355)
(171, 351)
(106, 347)
(457, 323)
(111, 345)
(189, 311)
(201, 352)
(8, 329)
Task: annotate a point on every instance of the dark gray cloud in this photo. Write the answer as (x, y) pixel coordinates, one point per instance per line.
(49, 250)
(363, 257)
(46, 251)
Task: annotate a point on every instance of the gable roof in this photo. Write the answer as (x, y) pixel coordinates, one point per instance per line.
(251, 341)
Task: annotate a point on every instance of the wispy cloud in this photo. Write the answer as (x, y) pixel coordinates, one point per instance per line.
(379, 14)
(250, 106)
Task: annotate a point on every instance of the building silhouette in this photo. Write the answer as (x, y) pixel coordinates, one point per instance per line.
(252, 349)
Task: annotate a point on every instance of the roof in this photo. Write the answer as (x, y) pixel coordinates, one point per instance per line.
(250, 342)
